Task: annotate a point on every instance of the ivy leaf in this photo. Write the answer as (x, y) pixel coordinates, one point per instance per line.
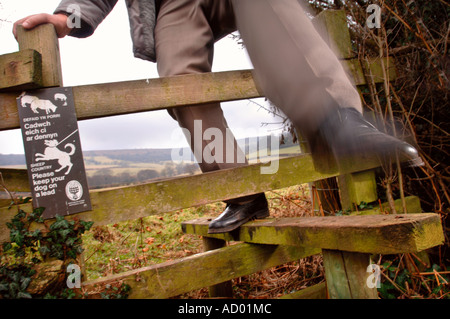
(384, 290)
(24, 295)
(13, 287)
(79, 249)
(64, 233)
(86, 225)
(20, 253)
(7, 246)
(25, 282)
(37, 234)
(71, 241)
(44, 250)
(60, 223)
(72, 254)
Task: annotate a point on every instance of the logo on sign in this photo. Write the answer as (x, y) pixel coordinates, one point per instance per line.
(74, 190)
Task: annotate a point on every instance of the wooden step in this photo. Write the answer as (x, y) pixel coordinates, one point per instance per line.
(374, 234)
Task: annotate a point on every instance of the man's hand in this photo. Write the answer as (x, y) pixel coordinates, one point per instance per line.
(58, 20)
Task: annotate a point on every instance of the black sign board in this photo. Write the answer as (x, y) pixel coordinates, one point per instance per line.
(53, 152)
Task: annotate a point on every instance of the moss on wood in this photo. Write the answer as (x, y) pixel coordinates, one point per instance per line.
(377, 234)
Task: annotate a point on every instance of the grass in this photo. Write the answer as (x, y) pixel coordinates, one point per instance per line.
(155, 239)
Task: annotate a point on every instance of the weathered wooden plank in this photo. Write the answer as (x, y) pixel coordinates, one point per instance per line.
(102, 100)
(183, 275)
(20, 71)
(15, 179)
(9, 114)
(200, 226)
(413, 206)
(129, 203)
(332, 26)
(44, 40)
(318, 291)
(356, 72)
(346, 275)
(225, 289)
(375, 234)
(335, 274)
(94, 101)
(356, 188)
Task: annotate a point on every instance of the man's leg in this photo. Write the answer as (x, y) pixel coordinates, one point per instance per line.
(301, 75)
(185, 34)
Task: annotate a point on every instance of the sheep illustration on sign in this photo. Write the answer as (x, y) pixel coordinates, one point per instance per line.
(53, 151)
(37, 104)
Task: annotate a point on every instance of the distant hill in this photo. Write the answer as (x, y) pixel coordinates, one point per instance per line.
(12, 159)
(157, 155)
(108, 168)
(154, 155)
(134, 156)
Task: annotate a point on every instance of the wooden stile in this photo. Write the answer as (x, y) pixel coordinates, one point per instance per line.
(346, 242)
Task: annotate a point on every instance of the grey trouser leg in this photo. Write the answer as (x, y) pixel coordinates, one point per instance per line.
(185, 34)
(294, 67)
(185, 39)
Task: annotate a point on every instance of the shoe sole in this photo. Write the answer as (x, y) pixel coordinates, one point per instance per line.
(261, 214)
(417, 162)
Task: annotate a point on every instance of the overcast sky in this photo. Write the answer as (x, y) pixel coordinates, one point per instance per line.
(107, 57)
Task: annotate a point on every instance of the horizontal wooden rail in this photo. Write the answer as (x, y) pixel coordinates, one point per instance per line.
(108, 99)
(129, 203)
(15, 179)
(374, 234)
(318, 291)
(21, 70)
(205, 269)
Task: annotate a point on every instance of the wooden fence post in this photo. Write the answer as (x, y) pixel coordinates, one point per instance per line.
(346, 275)
(353, 188)
(225, 289)
(357, 188)
(44, 40)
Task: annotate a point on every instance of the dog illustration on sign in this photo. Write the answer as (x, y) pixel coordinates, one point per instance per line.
(52, 152)
(37, 104)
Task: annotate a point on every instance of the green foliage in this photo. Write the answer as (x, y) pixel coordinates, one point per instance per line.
(27, 247)
(113, 292)
(14, 281)
(399, 283)
(61, 241)
(64, 238)
(389, 289)
(364, 205)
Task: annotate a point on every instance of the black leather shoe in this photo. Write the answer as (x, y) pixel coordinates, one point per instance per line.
(345, 134)
(236, 215)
